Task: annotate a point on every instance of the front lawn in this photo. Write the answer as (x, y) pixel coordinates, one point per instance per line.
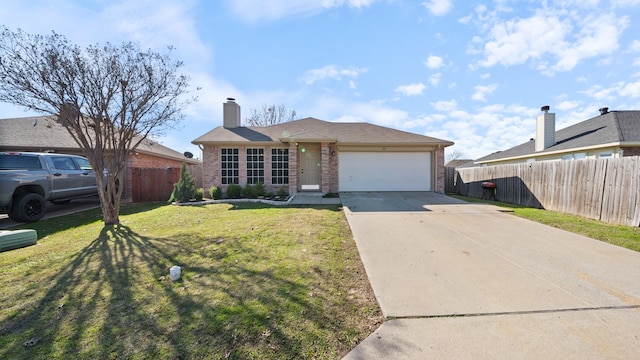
(258, 282)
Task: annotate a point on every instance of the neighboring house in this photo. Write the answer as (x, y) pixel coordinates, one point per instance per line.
(316, 155)
(45, 134)
(460, 163)
(610, 134)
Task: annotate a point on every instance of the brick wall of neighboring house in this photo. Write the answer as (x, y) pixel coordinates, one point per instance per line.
(631, 151)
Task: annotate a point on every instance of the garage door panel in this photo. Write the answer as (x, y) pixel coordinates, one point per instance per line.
(385, 171)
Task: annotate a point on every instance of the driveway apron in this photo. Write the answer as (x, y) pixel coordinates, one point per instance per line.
(461, 280)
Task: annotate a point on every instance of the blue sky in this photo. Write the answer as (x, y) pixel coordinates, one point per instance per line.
(475, 73)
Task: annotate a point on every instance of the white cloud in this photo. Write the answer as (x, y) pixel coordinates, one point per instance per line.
(567, 105)
(636, 61)
(481, 91)
(554, 40)
(635, 46)
(447, 106)
(157, 24)
(434, 79)
(438, 7)
(434, 62)
(625, 3)
(616, 90)
(411, 89)
(261, 10)
(330, 72)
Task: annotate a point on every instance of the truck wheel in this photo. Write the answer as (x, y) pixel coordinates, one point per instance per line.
(28, 208)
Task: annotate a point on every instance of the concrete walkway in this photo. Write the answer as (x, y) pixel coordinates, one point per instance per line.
(469, 281)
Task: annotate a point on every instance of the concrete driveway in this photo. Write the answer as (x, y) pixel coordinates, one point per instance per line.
(469, 281)
(55, 210)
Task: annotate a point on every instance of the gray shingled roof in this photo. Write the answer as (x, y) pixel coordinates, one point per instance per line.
(312, 129)
(611, 128)
(42, 133)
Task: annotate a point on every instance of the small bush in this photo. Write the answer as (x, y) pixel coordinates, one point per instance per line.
(248, 192)
(215, 193)
(185, 189)
(258, 190)
(282, 193)
(234, 191)
(199, 195)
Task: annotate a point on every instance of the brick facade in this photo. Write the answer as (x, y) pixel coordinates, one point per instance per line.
(329, 162)
(212, 171)
(438, 157)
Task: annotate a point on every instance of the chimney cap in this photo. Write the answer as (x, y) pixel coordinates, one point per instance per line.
(230, 99)
(545, 108)
(603, 110)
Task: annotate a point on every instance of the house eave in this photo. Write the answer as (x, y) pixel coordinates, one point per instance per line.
(558, 152)
(308, 140)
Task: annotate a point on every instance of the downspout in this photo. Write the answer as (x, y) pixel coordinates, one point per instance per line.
(202, 157)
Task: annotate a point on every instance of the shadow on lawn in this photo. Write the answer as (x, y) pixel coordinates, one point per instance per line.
(114, 300)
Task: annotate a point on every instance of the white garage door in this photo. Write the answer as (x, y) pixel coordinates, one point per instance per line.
(384, 171)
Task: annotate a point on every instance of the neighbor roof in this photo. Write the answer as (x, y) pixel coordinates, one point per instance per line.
(41, 133)
(611, 129)
(311, 129)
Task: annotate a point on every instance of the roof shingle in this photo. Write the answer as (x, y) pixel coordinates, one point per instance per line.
(315, 129)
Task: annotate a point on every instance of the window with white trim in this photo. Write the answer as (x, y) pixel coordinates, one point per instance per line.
(229, 166)
(255, 166)
(279, 166)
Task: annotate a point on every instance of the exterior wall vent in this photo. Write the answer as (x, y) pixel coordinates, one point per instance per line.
(603, 110)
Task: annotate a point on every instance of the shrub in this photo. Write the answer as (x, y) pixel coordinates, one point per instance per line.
(185, 189)
(234, 191)
(282, 193)
(215, 193)
(248, 192)
(258, 190)
(199, 194)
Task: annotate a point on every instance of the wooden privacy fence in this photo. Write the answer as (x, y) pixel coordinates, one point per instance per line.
(156, 184)
(602, 189)
(152, 184)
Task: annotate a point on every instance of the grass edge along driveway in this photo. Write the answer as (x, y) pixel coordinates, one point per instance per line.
(257, 282)
(619, 235)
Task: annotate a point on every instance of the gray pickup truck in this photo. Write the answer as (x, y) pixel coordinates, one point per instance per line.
(29, 180)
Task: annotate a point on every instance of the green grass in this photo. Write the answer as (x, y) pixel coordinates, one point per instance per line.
(258, 282)
(624, 236)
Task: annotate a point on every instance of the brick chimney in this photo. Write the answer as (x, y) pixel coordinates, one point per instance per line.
(231, 114)
(545, 129)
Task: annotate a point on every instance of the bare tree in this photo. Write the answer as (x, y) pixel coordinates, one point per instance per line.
(109, 97)
(270, 115)
(455, 155)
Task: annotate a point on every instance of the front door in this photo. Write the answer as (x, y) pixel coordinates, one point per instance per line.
(310, 168)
